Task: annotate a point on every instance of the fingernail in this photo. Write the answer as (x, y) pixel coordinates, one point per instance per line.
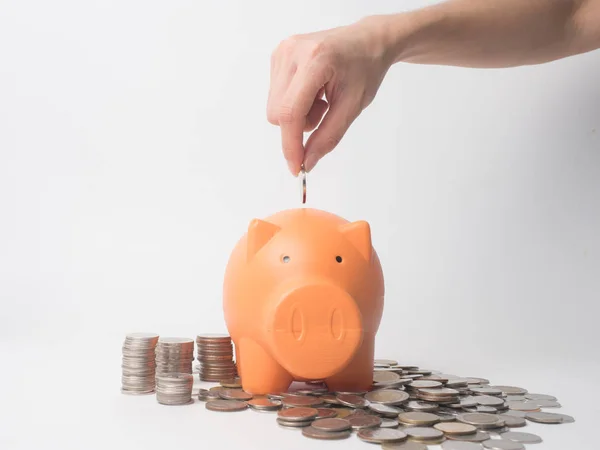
(311, 161)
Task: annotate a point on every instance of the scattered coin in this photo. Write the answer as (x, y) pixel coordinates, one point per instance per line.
(386, 362)
(480, 436)
(502, 444)
(304, 400)
(540, 397)
(234, 394)
(488, 400)
(544, 417)
(455, 428)
(297, 414)
(325, 413)
(315, 433)
(420, 384)
(335, 424)
(415, 405)
(418, 418)
(513, 421)
(474, 380)
(407, 445)
(385, 377)
(385, 410)
(546, 403)
(352, 400)
(524, 406)
(233, 383)
(292, 423)
(479, 419)
(387, 397)
(205, 395)
(525, 438)
(423, 434)
(381, 435)
(511, 412)
(226, 405)
(486, 390)
(461, 445)
(511, 390)
(264, 404)
(388, 423)
(365, 421)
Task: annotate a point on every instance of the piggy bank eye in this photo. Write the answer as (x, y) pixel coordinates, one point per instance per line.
(286, 259)
(338, 258)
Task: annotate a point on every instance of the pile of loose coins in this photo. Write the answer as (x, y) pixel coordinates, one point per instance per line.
(406, 408)
(215, 355)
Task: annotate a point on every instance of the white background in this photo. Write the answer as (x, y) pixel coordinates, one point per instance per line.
(134, 151)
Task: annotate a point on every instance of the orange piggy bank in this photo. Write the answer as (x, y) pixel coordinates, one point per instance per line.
(303, 299)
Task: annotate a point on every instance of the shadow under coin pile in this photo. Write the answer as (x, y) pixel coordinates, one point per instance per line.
(407, 408)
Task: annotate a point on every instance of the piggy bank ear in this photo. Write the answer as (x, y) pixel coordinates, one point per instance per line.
(259, 233)
(359, 234)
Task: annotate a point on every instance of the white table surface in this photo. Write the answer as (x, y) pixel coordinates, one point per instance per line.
(55, 400)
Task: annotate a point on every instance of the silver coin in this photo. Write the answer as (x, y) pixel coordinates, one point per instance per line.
(381, 435)
(418, 418)
(547, 403)
(461, 445)
(525, 438)
(420, 384)
(415, 405)
(478, 419)
(387, 397)
(303, 183)
(388, 423)
(486, 390)
(515, 413)
(501, 444)
(511, 390)
(423, 433)
(385, 377)
(540, 397)
(513, 421)
(408, 445)
(488, 400)
(544, 417)
(528, 405)
(385, 410)
(480, 436)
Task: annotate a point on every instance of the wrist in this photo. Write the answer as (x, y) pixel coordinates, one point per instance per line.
(401, 36)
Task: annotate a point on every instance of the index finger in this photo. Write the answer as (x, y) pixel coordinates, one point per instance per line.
(294, 110)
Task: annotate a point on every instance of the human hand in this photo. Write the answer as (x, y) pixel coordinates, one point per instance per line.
(345, 65)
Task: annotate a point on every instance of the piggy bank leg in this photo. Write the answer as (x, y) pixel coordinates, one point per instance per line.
(358, 375)
(259, 371)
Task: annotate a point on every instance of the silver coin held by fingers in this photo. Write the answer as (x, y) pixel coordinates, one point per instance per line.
(303, 183)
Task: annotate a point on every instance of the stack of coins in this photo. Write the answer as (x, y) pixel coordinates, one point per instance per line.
(174, 355)
(215, 355)
(174, 389)
(138, 364)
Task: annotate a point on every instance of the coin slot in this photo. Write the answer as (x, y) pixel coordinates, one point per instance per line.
(338, 258)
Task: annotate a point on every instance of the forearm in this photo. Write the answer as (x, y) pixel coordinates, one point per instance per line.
(492, 33)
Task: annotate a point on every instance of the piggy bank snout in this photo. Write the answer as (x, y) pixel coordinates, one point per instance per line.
(315, 330)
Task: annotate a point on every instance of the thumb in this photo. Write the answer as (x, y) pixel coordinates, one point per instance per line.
(330, 132)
